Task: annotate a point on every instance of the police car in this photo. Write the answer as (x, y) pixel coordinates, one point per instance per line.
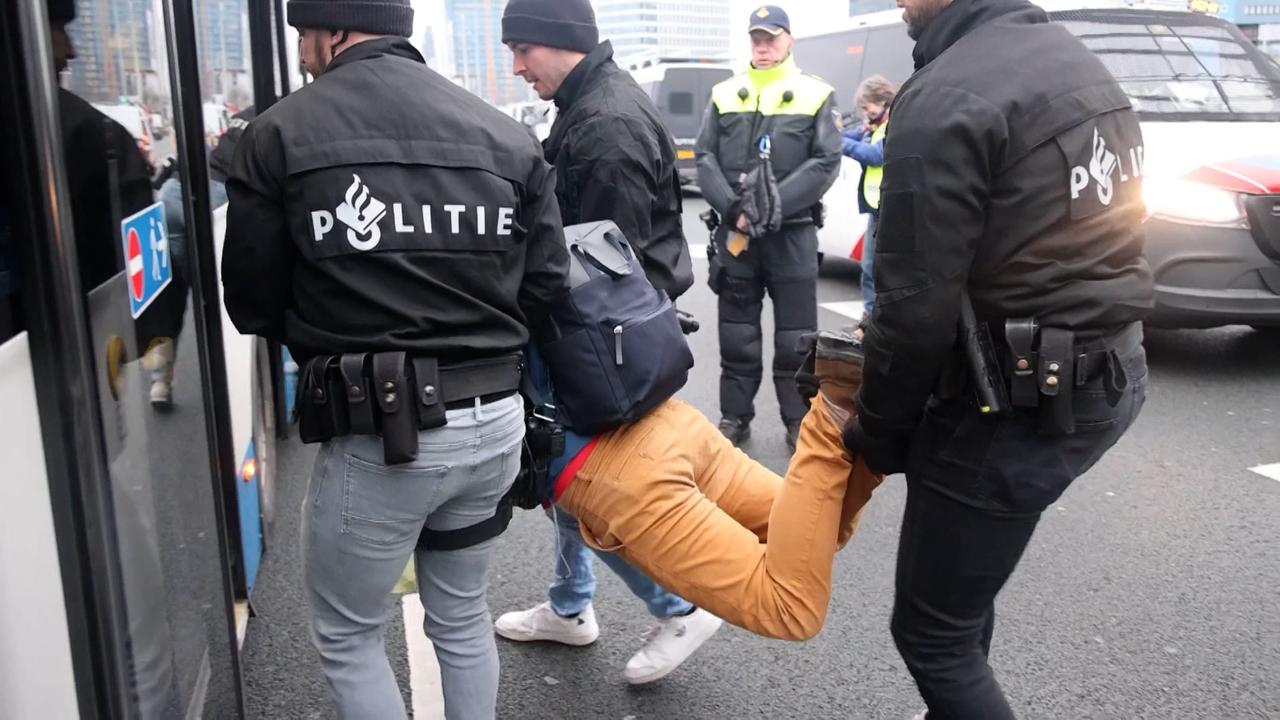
(1209, 103)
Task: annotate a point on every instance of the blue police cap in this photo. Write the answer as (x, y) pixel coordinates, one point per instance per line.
(771, 19)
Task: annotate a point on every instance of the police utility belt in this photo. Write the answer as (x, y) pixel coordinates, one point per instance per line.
(395, 395)
(1039, 369)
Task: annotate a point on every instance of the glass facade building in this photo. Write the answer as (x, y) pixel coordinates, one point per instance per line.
(666, 28)
(481, 62)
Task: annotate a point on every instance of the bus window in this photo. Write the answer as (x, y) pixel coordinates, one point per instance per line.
(136, 282)
(838, 59)
(680, 103)
(889, 53)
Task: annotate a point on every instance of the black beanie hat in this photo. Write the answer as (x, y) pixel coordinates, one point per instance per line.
(566, 24)
(62, 11)
(379, 17)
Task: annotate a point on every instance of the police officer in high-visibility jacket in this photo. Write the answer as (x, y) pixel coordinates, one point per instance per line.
(797, 112)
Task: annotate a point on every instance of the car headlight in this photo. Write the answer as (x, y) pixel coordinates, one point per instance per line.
(1193, 203)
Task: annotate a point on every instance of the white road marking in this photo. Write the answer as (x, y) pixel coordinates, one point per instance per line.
(424, 669)
(850, 309)
(698, 251)
(1268, 471)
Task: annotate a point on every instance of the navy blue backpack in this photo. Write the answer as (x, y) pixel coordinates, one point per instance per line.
(613, 345)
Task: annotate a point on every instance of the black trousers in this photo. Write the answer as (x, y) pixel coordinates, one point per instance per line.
(975, 492)
(784, 264)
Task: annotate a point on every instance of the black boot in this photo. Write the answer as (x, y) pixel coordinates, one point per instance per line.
(737, 430)
(793, 433)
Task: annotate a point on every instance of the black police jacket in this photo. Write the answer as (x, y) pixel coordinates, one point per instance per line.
(614, 160)
(798, 113)
(1012, 170)
(382, 208)
(101, 158)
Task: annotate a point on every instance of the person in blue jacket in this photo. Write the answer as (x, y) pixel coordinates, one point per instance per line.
(865, 144)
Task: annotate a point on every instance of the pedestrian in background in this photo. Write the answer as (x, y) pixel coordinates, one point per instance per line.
(865, 144)
(614, 160)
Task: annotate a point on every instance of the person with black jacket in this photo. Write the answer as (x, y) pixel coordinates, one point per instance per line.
(614, 160)
(777, 107)
(1017, 196)
(392, 228)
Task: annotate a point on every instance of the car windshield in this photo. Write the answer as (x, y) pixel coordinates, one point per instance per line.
(1179, 66)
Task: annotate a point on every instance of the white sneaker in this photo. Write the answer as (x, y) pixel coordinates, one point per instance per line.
(670, 643)
(161, 394)
(542, 623)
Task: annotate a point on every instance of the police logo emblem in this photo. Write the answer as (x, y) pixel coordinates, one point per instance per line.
(1099, 168)
(360, 212)
(763, 12)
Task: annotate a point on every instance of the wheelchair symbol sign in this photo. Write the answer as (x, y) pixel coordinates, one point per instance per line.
(148, 263)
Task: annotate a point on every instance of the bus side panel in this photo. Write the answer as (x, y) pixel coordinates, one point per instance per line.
(240, 382)
(36, 676)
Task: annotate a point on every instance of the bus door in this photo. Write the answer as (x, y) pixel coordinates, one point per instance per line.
(110, 295)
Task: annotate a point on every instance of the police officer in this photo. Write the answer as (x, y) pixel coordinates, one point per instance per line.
(1019, 191)
(797, 112)
(398, 234)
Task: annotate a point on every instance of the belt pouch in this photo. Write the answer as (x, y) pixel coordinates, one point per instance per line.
(395, 405)
(320, 416)
(1020, 334)
(715, 267)
(431, 409)
(355, 384)
(1056, 373)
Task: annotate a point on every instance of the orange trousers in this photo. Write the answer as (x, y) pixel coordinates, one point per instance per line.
(671, 495)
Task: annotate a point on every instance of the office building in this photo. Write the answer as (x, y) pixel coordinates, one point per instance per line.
(665, 28)
(481, 63)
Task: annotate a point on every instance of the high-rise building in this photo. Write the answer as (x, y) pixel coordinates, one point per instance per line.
(665, 28)
(481, 62)
(113, 50)
(222, 39)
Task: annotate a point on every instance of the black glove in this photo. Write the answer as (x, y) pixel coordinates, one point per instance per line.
(884, 454)
(806, 380)
(688, 323)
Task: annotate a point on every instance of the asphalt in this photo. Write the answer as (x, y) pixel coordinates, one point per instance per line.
(1151, 589)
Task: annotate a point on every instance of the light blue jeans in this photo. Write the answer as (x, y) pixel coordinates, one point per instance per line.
(360, 527)
(575, 582)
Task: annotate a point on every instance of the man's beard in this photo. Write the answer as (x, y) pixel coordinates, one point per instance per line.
(920, 20)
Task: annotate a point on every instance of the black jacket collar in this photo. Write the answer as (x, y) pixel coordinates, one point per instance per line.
(964, 16)
(385, 46)
(578, 78)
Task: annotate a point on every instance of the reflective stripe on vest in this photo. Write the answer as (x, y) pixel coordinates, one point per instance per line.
(781, 90)
(874, 175)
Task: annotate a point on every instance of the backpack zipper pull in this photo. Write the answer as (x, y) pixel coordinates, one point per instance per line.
(617, 343)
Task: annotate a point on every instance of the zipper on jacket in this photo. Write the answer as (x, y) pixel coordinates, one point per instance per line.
(617, 344)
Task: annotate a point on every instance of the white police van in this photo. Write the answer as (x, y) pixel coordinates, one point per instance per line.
(1209, 103)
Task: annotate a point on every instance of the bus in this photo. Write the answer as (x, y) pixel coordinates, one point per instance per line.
(139, 428)
(681, 89)
(1209, 104)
